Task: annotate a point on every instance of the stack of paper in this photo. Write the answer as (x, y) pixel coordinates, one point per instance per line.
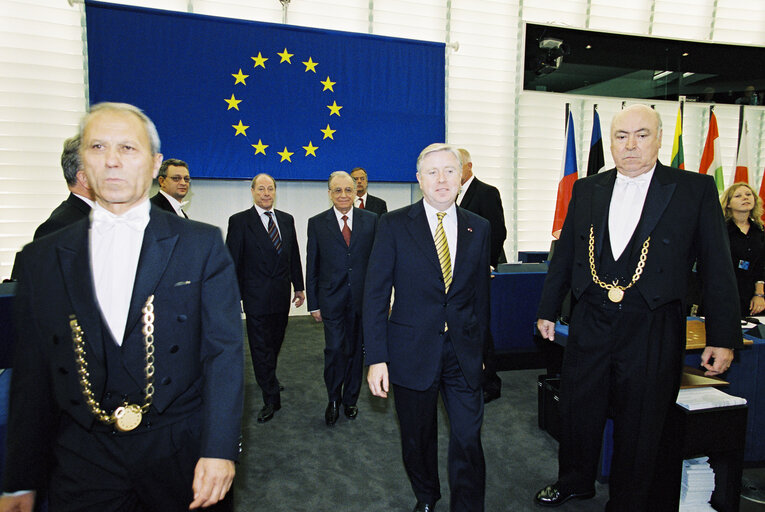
(706, 398)
(698, 483)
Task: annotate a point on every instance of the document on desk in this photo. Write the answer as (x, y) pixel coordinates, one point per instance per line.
(706, 398)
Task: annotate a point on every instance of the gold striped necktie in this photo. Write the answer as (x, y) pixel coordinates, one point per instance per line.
(442, 248)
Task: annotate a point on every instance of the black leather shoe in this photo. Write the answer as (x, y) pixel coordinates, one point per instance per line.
(351, 411)
(332, 413)
(267, 412)
(490, 394)
(423, 507)
(552, 496)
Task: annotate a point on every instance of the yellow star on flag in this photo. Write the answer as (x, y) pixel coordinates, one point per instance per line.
(285, 155)
(310, 65)
(240, 128)
(232, 103)
(260, 147)
(328, 132)
(310, 149)
(334, 109)
(328, 84)
(259, 61)
(239, 77)
(285, 56)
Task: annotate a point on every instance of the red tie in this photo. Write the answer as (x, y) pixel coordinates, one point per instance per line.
(346, 230)
(361, 203)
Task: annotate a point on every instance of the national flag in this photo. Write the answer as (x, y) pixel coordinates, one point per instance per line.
(678, 159)
(566, 184)
(595, 161)
(234, 98)
(710, 159)
(742, 158)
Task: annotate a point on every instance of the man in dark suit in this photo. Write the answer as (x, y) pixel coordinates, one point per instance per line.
(174, 184)
(363, 199)
(629, 239)
(483, 199)
(127, 385)
(339, 242)
(436, 256)
(263, 243)
(80, 199)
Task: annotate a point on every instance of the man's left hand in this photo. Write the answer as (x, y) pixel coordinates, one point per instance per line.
(212, 480)
(722, 357)
(298, 299)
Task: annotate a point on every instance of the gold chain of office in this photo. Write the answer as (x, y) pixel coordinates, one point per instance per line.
(615, 291)
(127, 416)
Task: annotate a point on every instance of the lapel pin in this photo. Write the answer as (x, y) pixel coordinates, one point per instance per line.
(470, 230)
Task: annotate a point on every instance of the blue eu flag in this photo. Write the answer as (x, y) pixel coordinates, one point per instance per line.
(235, 98)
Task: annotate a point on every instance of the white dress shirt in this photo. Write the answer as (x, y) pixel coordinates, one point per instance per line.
(339, 216)
(115, 245)
(450, 228)
(464, 188)
(358, 199)
(627, 202)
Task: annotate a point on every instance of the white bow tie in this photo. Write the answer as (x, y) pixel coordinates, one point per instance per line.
(104, 220)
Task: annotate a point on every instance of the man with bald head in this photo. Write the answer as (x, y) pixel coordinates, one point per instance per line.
(630, 236)
(127, 385)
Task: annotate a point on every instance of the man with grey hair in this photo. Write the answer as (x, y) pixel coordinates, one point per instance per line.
(263, 244)
(80, 199)
(436, 256)
(127, 387)
(629, 239)
(174, 184)
(339, 242)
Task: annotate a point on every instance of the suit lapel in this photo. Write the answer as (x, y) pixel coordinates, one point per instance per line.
(464, 244)
(659, 194)
(158, 244)
(601, 200)
(467, 199)
(419, 230)
(333, 228)
(74, 260)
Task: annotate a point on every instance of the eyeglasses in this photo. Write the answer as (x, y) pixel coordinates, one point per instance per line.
(178, 179)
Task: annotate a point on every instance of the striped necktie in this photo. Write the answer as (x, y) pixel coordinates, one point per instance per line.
(442, 248)
(273, 233)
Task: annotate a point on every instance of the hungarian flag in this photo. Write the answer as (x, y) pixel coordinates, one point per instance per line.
(710, 158)
(595, 161)
(566, 183)
(742, 160)
(678, 159)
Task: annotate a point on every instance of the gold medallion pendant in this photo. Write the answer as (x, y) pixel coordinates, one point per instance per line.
(127, 417)
(615, 295)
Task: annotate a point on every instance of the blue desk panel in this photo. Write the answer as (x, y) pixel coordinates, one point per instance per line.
(514, 301)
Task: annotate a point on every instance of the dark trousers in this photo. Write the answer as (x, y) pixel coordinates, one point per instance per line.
(489, 379)
(147, 471)
(627, 364)
(419, 437)
(343, 357)
(265, 334)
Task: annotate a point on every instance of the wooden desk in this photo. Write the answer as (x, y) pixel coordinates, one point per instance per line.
(696, 335)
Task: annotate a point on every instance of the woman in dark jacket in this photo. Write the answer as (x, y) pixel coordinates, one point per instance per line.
(743, 212)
